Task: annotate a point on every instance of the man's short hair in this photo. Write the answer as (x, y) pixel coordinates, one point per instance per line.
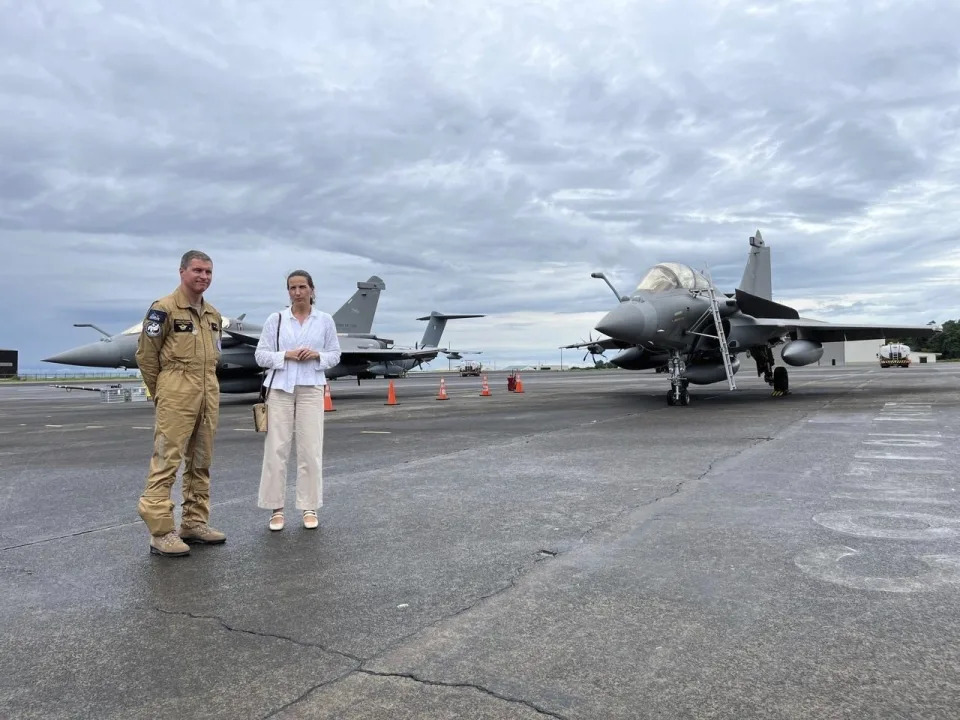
(193, 255)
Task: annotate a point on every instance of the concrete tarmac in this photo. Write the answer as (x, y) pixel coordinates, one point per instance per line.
(581, 550)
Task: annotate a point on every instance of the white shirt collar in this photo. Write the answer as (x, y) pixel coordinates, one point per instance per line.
(288, 312)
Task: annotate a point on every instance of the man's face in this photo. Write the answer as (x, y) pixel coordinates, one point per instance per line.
(197, 276)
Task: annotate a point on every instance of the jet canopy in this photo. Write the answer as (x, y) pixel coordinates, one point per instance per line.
(672, 276)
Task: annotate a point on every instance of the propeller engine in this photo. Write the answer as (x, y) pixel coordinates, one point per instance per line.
(593, 349)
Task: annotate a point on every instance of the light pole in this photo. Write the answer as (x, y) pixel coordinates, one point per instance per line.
(561, 358)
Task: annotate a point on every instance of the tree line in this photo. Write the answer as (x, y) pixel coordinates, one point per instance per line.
(947, 343)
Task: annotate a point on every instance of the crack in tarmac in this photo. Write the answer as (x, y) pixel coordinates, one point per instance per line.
(466, 686)
(359, 662)
(41, 541)
(257, 633)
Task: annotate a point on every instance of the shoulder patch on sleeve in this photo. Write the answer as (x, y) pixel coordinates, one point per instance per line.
(152, 329)
(156, 316)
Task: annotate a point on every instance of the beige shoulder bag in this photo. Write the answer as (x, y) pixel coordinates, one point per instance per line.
(260, 408)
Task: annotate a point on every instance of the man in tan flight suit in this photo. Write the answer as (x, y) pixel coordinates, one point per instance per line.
(178, 353)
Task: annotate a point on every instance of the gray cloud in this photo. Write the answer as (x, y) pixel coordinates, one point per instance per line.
(478, 156)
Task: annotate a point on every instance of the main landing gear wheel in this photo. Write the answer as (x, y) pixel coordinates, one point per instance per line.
(781, 382)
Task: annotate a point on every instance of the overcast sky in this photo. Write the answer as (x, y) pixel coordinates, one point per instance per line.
(479, 156)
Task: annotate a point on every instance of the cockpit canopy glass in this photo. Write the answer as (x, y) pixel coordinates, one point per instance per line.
(672, 276)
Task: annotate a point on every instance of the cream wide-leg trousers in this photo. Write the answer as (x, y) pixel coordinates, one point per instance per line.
(298, 414)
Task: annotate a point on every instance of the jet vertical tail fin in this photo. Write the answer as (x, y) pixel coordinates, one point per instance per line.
(756, 275)
(435, 326)
(356, 314)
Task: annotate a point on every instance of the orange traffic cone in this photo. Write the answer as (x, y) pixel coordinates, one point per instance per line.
(519, 386)
(391, 395)
(442, 395)
(485, 388)
(327, 400)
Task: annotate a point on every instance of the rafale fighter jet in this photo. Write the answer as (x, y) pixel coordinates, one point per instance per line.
(678, 321)
(238, 371)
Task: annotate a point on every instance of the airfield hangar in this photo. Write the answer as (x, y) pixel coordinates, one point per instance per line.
(854, 352)
(8, 363)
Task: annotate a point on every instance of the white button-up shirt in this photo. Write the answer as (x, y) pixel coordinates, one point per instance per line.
(318, 332)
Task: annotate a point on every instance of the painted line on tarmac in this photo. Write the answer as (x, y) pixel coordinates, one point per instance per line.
(890, 456)
(376, 432)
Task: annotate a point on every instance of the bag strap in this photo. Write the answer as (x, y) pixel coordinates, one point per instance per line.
(265, 393)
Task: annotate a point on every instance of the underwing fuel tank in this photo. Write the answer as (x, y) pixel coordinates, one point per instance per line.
(801, 352)
(706, 373)
(637, 359)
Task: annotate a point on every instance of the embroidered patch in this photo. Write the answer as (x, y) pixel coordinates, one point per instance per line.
(182, 325)
(158, 316)
(152, 329)
(214, 327)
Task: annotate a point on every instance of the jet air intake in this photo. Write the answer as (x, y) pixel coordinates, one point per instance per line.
(801, 352)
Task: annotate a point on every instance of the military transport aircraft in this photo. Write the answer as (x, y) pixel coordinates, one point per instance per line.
(677, 320)
(238, 372)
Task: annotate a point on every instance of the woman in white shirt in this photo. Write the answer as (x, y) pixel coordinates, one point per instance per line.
(296, 345)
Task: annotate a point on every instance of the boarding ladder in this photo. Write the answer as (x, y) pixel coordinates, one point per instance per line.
(721, 336)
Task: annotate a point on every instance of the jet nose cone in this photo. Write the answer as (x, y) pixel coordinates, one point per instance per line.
(625, 322)
(98, 354)
(68, 357)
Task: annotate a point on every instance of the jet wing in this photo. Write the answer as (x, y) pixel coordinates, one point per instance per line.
(374, 355)
(838, 332)
(354, 356)
(245, 337)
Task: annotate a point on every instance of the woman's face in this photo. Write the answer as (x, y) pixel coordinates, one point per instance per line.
(299, 289)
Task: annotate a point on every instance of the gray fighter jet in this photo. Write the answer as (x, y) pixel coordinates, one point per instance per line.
(238, 371)
(366, 355)
(677, 321)
(431, 340)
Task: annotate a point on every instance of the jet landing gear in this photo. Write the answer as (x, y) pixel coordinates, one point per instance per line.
(781, 382)
(775, 376)
(678, 393)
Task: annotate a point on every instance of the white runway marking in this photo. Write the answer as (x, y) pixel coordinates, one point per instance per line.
(825, 564)
(892, 525)
(375, 432)
(885, 456)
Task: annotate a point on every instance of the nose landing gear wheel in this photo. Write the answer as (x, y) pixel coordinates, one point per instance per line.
(683, 399)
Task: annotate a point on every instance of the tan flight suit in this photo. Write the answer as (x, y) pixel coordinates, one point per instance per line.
(177, 354)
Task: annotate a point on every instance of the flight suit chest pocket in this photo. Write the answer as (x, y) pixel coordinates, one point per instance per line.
(183, 338)
(214, 329)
